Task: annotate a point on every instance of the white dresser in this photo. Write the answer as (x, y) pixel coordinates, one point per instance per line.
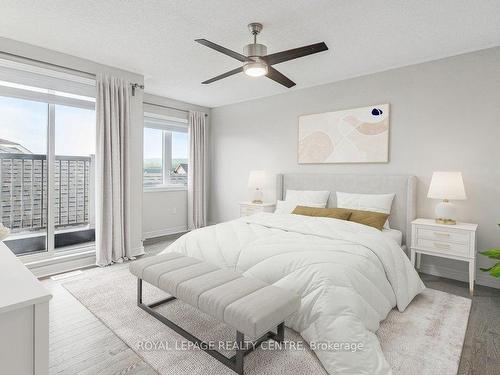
(446, 241)
(24, 319)
(249, 208)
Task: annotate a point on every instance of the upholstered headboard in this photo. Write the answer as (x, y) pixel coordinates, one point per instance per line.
(403, 207)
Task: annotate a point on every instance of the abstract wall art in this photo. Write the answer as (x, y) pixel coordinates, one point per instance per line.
(359, 135)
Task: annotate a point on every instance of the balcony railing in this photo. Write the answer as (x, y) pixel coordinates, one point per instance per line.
(156, 178)
(24, 191)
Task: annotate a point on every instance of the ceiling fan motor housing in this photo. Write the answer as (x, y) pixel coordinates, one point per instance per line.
(256, 61)
(255, 50)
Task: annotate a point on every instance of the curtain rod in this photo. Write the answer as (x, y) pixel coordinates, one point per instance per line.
(48, 63)
(167, 107)
(89, 74)
(93, 75)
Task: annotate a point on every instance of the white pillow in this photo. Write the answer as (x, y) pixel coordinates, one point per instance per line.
(287, 207)
(367, 202)
(308, 197)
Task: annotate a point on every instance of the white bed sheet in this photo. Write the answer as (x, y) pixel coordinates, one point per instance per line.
(394, 234)
(349, 277)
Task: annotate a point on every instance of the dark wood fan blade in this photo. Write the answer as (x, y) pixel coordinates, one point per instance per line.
(224, 75)
(279, 77)
(279, 57)
(224, 50)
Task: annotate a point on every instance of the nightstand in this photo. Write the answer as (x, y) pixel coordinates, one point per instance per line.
(249, 208)
(446, 241)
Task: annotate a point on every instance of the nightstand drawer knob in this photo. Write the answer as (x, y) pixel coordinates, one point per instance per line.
(441, 245)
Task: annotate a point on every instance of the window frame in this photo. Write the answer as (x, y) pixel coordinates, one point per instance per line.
(167, 124)
(53, 85)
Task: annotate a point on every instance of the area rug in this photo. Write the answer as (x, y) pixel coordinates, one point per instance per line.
(426, 339)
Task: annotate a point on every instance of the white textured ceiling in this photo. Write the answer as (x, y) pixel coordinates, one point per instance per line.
(155, 37)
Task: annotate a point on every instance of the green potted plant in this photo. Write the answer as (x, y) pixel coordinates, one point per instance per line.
(492, 254)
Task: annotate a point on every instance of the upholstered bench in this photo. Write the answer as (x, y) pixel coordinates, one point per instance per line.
(250, 306)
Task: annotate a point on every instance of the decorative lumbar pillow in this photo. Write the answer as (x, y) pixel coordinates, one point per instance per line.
(287, 207)
(334, 213)
(370, 218)
(310, 198)
(367, 202)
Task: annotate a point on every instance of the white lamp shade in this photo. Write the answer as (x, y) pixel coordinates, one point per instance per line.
(447, 185)
(256, 179)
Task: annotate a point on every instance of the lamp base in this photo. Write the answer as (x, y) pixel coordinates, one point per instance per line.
(445, 213)
(446, 221)
(258, 196)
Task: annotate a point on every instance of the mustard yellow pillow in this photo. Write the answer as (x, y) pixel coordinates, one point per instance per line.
(335, 213)
(370, 218)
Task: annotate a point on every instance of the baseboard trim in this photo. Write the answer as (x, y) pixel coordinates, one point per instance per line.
(52, 266)
(451, 273)
(138, 250)
(164, 232)
(487, 280)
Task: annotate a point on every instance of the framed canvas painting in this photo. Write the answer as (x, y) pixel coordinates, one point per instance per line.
(359, 135)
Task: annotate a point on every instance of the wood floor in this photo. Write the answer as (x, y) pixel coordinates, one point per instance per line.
(81, 344)
(481, 351)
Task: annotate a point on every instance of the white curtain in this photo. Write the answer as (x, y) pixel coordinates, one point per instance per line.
(197, 175)
(112, 170)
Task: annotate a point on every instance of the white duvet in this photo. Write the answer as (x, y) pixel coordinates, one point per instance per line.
(349, 277)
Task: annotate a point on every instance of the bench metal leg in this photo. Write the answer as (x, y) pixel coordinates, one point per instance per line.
(151, 305)
(236, 362)
(280, 336)
(240, 353)
(139, 292)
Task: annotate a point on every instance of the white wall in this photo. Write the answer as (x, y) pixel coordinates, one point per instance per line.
(165, 212)
(445, 115)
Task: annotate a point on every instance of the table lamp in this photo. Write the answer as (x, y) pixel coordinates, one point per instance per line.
(446, 186)
(256, 181)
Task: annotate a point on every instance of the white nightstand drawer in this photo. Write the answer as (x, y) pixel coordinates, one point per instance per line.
(444, 247)
(247, 208)
(447, 235)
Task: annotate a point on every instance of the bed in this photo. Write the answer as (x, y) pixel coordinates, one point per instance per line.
(348, 275)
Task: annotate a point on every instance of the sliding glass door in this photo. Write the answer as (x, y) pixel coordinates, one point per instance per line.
(74, 142)
(23, 173)
(47, 161)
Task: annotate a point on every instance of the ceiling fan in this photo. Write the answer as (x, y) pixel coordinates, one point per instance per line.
(257, 62)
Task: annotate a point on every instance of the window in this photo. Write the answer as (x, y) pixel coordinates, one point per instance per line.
(47, 153)
(153, 157)
(165, 152)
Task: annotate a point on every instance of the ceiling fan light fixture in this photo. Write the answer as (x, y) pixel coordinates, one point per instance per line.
(257, 62)
(255, 69)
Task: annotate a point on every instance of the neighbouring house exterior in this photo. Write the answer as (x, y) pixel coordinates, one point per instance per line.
(181, 169)
(12, 147)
